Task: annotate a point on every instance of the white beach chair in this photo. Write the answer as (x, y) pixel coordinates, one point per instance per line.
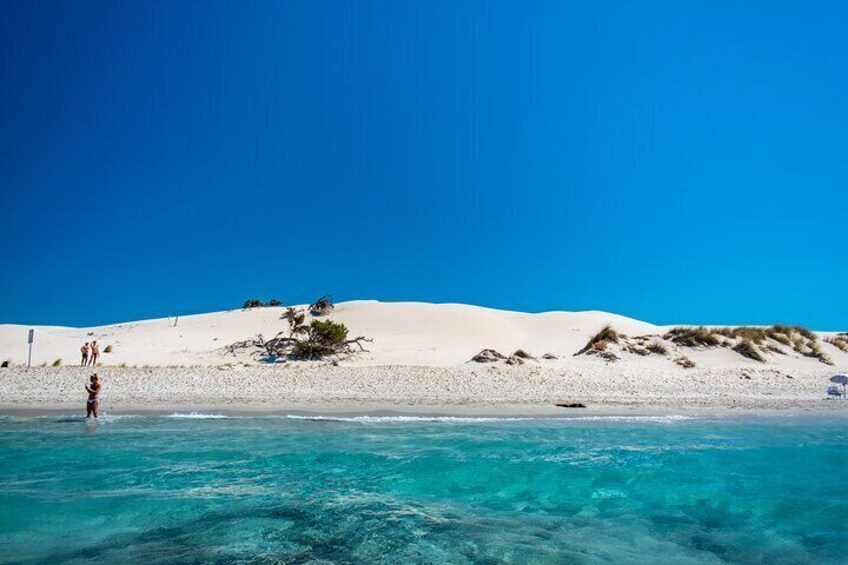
(834, 392)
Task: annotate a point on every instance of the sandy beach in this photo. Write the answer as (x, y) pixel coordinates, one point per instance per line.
(419, 361)
(456, 390)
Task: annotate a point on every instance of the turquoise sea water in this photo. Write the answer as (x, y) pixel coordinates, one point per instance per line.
(668, 490)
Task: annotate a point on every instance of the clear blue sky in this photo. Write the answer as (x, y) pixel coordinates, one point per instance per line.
(671, 161)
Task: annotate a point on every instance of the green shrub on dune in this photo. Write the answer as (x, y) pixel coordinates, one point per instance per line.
(256, 303)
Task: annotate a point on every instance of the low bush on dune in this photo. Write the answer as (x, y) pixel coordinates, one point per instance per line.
(323, 337)
(693, 337)
(327, 331)
(606, 335)
(256, 303)
(747, 349)
(108, 349)
(57, 363)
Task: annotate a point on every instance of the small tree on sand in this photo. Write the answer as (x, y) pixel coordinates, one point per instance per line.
(296, 319)
(323, 337)
(316, 340)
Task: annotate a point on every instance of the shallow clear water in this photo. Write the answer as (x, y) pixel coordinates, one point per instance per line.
(277, 490)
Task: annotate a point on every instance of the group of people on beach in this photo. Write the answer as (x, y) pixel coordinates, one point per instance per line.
(90, 353)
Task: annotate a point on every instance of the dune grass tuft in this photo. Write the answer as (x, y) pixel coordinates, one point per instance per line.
(789, 330)
(780, 337)
(839, 341)
(814, 351)
(606, 335)
(746, 348)
(799, 338)
(107, 349)
(57, 363)
(750, 333)
(774, 349)
(803, 341)
(658, 347)
(693, 337)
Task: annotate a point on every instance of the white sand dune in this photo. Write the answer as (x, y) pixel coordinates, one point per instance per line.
(420, 354)
(404, 333)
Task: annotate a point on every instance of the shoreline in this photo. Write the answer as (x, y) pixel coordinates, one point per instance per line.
(433, 411)
(465, 390)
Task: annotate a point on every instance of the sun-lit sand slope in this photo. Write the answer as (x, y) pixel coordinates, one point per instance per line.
(404, 333)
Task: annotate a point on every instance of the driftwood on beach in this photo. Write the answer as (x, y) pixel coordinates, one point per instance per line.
(284, 347)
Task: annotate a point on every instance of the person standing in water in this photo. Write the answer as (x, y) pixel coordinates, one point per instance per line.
(84, 351)
(95, 351)
(93, 389)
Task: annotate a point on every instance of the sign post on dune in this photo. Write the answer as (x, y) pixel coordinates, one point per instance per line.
(30, 339)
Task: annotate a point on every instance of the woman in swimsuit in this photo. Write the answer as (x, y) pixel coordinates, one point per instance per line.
(93, 390)
(95, 351)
